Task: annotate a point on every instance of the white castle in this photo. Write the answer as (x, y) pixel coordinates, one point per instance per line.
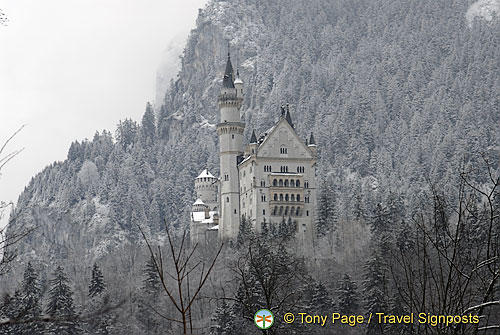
(272, 179)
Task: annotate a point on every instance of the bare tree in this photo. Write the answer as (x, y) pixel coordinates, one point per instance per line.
(185, 290)
(446, 262)
(6, 258)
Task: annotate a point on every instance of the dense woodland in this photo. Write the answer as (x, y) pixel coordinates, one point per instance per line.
(403, 97)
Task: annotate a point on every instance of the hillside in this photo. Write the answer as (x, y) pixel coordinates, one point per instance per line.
(399, 94)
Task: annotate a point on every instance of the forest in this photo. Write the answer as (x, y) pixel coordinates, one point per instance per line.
(403, 98)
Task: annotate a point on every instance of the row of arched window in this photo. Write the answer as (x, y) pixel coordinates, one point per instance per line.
(286, 197)
(286, 183)
(287, 211)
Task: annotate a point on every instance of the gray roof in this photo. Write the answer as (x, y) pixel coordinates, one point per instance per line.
(228, 81)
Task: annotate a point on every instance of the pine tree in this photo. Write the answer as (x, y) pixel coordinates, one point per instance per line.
(348, 300)
(375, 293)
(97, 284)
(245, 232)
(151, 286)
(320, 299)
(31, 302)
(223, 320)
(326, 221)
(60, 306)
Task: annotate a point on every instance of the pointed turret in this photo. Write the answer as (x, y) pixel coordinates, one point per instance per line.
(228, 81)
(253, 139)
(238, 85)
(288, 117)
(311, 140)
(311, 144)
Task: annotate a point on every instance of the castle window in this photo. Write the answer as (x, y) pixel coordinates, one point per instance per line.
(298, 211)
(262, 183)
(306, 184)
(235, 212)
(300, 169)
(226, 177)
(286, 182)
(275, 210)
(292, 211)
(286, 197)
(286, 211)
(292, 183)
(281, 197)
(283, 150)
(275, 197)
(281, 210)
(298, 197)
(275, 182)
(297, 183)
(227, 199)
(232, 136)
(292, 197)
(263, 212)
(306, 199)
(263, 198)
(281, 183)
(307, 213)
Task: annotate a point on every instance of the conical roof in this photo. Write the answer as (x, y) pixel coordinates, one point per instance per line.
(253, 139)
(205, 174)
(311, 140)
(228, 82)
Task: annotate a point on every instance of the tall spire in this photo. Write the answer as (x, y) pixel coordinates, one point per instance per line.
(288, 117)
(311, 140)
(228, 81)
(253, 139)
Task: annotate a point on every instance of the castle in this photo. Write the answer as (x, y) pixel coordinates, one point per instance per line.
(272, 179)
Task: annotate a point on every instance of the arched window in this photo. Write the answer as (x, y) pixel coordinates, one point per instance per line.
(275, 182)
(227, 199)
(283, 150)
(275, 197)
(292, 183)
(286, 211)
(298, 197)
(281, 210)
(281, 197)
(298, 211)
(281, 182)
(286, 197)
(292, 211)
(297, 183)
(292, 197)
(286, 182)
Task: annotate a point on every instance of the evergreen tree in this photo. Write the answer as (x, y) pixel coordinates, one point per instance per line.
(60, 306)
(97, 284)
(375, 293)
(348, 299)
(321, 302)
(326, 220)
(223, 320)
(245, 232)
(31, 302)
(151, 286)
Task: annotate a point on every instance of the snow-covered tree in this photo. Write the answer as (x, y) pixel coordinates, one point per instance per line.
(97, 284)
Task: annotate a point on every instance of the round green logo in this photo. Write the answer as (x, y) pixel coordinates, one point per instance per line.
(264, 319)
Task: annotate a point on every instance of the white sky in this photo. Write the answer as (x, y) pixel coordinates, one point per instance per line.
(71, 67)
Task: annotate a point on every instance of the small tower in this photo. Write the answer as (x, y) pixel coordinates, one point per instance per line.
(230, 130)
(205, 186)
(311, 144)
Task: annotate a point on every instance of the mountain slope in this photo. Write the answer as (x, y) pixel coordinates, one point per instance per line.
(396, 92)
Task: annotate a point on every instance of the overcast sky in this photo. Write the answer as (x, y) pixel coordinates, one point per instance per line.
(71, 67)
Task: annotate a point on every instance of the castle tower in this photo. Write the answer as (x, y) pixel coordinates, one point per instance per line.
(230, 131)
(205, 186)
